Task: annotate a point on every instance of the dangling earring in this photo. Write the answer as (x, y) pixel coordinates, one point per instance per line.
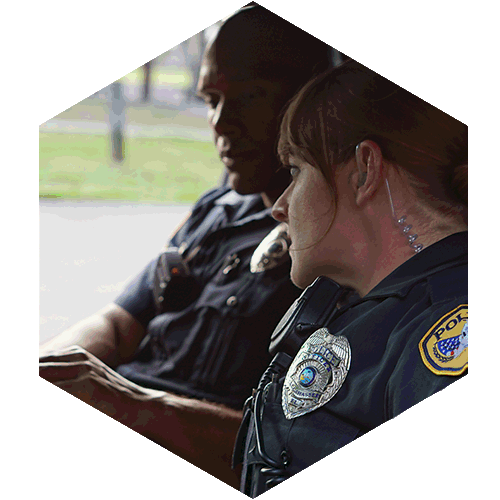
(401, 222)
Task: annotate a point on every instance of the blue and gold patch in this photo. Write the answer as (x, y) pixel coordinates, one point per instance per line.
(444, 348)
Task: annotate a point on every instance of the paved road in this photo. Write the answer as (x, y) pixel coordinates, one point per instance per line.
(167, 129)
(89, 250)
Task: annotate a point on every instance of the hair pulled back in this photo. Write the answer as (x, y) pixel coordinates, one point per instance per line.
(346, 105)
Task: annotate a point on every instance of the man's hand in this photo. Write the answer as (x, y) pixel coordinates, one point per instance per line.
(83, 375)
(200, 432)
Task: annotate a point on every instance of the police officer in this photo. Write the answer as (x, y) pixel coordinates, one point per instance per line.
(244, 87)
(381, 208)
(197, 321)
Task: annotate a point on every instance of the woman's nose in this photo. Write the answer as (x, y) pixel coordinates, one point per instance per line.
(280, 208)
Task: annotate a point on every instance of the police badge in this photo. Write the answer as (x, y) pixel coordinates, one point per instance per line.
(272, 251)
(316, 374)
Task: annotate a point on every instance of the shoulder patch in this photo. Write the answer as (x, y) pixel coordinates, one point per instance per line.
(444, 348)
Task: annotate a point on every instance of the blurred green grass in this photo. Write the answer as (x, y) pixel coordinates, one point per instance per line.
(167, 170)
(164, 170)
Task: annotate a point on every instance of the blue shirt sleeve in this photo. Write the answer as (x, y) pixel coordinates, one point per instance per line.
(137, 298)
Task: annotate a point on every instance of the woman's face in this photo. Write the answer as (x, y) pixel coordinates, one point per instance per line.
(324, 242)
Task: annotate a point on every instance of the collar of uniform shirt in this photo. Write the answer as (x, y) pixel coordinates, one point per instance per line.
(448, 252)
(245, 204)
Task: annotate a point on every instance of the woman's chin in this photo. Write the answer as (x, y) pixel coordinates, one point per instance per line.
(300, 279)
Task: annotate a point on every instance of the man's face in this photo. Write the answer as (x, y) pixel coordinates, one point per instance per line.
(243, 114)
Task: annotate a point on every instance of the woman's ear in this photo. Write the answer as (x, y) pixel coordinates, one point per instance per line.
(369, 165)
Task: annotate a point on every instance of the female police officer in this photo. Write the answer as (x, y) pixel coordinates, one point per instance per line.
(378, 204)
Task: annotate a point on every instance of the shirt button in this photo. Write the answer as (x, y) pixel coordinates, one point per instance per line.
(232, 301)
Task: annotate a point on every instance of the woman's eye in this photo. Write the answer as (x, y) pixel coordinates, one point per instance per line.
(294, 171)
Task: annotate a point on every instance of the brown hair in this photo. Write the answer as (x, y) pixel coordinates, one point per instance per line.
(343, 106)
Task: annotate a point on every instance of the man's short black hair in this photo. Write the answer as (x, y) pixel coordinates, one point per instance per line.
(272, 47)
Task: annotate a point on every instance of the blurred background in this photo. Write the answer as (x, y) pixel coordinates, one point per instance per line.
(119, 171)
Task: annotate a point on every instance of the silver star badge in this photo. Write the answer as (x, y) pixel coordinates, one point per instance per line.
(316, 374)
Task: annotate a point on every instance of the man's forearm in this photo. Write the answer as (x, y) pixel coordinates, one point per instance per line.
(200, 432)
(95, 334)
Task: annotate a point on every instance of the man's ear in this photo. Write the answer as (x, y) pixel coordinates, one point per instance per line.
(369, 171)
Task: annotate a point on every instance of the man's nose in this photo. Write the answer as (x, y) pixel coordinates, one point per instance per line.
(224, 119)
(280, 208)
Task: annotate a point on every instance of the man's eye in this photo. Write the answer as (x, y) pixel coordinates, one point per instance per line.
(211, 100)
(255, 93)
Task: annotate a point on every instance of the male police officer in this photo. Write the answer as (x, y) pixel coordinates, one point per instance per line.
(206, 337)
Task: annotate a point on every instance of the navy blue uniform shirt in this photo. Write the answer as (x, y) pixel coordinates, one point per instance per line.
(405, 345)
(216, 347)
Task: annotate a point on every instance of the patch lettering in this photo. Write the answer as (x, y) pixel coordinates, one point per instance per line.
(444, 348)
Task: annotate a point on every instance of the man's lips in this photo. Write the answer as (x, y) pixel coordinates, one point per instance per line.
(235, 153)
(231, 156)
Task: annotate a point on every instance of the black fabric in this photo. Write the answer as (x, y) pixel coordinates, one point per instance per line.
(387, 374)
(212, 349)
